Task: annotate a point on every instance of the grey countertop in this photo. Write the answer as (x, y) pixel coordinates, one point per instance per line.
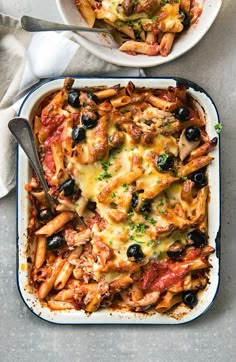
(24, 337)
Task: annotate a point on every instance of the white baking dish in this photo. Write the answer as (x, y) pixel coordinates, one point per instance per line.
(182, 315)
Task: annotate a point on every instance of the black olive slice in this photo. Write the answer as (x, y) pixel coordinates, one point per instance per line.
(186, 19)
(55, 241)
(182, 113)
(200, 179)
(165, 162)
(88, 122)
(78, 134)
(196, 238)
(134, 251)
(189, 299)
(44, 214)
(175, 250)
(68, 187)
(73, 98)
(93, 97)
(192, 133)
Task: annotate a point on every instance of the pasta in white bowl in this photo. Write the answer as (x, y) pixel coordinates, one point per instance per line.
(150, 32)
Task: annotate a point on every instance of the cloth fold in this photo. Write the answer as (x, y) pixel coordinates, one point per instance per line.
(27, 58)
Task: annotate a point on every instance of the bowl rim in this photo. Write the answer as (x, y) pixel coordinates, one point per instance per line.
(98, 50)
(128, 317)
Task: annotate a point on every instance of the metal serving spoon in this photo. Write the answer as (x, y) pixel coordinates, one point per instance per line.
(21, 130)
(31, 24)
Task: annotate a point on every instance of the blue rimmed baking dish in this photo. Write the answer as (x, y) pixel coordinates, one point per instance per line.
(181, 314)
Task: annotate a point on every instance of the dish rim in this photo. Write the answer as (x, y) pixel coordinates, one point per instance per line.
(142, 61)
(127, 317)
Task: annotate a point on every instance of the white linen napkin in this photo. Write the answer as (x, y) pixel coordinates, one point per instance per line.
(27, 58)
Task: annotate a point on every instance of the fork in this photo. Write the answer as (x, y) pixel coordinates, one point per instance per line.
(32, 24)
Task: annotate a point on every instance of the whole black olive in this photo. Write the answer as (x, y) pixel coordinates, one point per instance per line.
(146, 206)
(55, 241)
(182, 114)
(68, 187)
(44, 214)
(88, 122)
(93, 97)
(192, 133)
(175, 250)
(186, 19)
(135, 251)
(165, 162)
(189, 299)
(78, 134)
(196, 238)
(200, 179)
(73, 98)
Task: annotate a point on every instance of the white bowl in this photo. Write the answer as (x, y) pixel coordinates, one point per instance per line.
(27, 111)
(99, 46)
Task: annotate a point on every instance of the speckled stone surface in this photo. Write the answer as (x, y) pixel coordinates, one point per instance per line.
(24, 337)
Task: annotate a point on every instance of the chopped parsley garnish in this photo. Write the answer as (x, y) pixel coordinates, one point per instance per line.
(162, 211)
(218, 127)
(184, 178)
(164, 157)
(125, 187)
(160, 203)
(151, 243)
(132, 238)
(105, 174)
(159, 209)
(75, 207)
(129, 215)
(105, 165)
(152, 221)
(138, 228)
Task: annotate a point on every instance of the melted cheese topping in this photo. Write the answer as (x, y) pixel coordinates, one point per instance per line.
(170, 19)
(135, 228)
(141, 198)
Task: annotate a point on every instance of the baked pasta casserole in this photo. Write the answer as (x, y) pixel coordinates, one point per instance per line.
(127, 168)
(147, 26)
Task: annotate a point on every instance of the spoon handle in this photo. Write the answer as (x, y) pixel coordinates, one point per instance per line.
(21, 130)
(31, 24)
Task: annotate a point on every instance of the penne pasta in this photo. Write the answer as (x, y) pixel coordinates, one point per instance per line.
(66, 270)
(64, 295)
(106, 93)
(194, 165)
(59, 305)
(162, 103)
(131, 228)
(203, 149)
(40, 252)
(132, 46)
(58, 156)
(169, 300)
(46, 286)
(166, 43)
(120, 102)
(87, 11)
(55, 224)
